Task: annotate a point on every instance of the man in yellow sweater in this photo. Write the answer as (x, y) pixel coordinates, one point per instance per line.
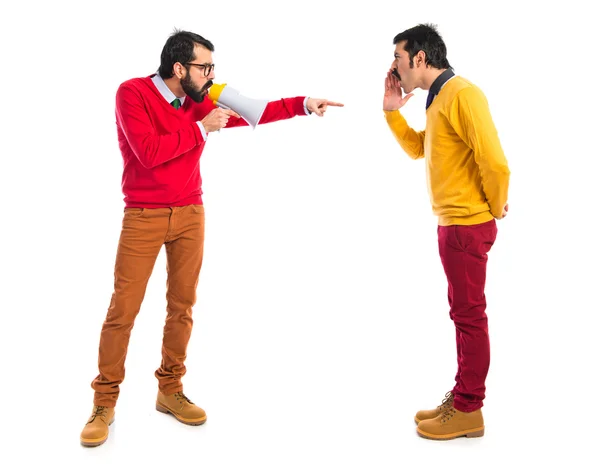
(467, 177)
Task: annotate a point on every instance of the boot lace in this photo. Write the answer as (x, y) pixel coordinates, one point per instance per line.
(448, 414)
(182, 398)
(99, 411)
(447, 402)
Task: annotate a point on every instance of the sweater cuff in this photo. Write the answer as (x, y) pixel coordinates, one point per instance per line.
(393, 116)
(298, 106)
(395, 120)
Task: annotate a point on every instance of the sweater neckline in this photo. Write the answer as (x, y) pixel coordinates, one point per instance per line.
(177, 112)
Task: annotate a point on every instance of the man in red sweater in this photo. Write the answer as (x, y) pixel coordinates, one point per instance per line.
(163, 122)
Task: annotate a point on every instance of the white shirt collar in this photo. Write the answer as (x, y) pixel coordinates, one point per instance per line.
(164, 90)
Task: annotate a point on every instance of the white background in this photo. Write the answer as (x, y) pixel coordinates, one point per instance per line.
(322, 321)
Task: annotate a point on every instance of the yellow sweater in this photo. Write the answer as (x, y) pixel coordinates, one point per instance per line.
(467, 172)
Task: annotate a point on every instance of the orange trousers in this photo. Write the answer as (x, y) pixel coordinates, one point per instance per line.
(144, 231)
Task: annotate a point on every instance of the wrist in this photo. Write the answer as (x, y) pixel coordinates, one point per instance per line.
(307, 110)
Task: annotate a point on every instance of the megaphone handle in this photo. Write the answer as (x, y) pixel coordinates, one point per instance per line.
(219, 104)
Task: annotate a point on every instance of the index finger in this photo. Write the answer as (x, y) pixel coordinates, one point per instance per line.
(230, 112)
(334, 104)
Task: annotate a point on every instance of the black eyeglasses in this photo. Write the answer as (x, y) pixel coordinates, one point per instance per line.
(207, 68)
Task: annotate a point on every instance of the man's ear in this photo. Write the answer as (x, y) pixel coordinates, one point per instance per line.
(178, 70)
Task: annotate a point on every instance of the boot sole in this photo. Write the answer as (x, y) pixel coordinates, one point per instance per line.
(470, 433)
(95, 442)
(165, 410)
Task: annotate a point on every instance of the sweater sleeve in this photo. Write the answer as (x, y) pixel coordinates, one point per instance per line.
(276, 110)
(471, 119)
(283, 109)
(411, 141)
(151, 148)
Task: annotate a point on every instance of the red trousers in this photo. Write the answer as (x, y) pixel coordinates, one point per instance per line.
(463, 250)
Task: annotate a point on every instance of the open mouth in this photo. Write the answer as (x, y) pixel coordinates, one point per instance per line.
(206, 86)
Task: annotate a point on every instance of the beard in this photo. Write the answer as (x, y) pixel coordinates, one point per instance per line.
(196, 93)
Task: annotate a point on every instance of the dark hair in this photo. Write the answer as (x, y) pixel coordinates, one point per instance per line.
(424, 37)
(180, 48)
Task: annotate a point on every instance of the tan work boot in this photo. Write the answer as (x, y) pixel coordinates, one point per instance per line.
(433, 413)
(181, 407)
(95, 431)
(451, 424)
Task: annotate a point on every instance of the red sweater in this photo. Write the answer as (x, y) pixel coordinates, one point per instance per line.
(161, 146)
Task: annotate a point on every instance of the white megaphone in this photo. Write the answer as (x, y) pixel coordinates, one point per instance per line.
(249, 109)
